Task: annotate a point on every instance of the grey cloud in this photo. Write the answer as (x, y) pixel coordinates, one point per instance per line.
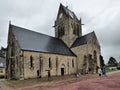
(102, 16)
(108, 51)
(111, 31)
(45, 28)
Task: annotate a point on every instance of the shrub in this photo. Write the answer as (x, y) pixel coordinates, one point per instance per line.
(2, 76)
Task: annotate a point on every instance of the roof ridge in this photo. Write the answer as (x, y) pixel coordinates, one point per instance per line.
(81, 40)
(30, 30)
(88, 33)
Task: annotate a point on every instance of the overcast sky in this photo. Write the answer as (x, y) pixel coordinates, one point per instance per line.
(102, 16)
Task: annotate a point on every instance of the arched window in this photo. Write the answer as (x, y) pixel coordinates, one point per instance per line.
(60, 31)
(13, 49)
(76, 30)
(31, 61)
(56, 62)
(72, 63)
(49, 62)
(95, 56)
(40, 63)
(94, 53)
(85, 61)
(17, 61)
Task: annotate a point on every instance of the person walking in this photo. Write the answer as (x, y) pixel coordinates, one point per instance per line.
(49, 75)
(99, 71)
(103, 72)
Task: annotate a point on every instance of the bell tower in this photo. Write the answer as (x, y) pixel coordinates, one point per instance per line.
(67, 26)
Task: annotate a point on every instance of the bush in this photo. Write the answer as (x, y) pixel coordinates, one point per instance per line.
(2, 76)
(118, 67)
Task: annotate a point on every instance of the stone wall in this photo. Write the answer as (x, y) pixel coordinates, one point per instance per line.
(80, 51)
(93, 46)
(62, 62)
(88, 50)
(13, 57)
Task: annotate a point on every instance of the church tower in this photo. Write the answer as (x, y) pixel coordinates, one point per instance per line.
(67, 26)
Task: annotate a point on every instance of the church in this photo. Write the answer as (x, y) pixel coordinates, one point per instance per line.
(31, 54)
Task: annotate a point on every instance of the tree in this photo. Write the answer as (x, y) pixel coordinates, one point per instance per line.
(3, 52)
(112, 62)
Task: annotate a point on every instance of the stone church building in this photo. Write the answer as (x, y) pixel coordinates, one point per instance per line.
(30, 54)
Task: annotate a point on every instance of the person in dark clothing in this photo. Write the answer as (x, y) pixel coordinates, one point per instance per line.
(49, 74)
(103, 72)
(89, 70)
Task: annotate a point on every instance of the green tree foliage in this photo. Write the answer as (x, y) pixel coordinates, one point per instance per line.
(112, 62)
(2, 52)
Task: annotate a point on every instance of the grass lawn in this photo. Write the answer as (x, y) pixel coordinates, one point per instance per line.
(111, 70)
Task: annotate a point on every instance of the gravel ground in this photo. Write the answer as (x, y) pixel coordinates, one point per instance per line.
(111, 82)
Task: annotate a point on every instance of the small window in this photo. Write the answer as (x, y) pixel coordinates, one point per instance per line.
(76, 30)
(49, 62)
(60, 31)
(95, 56)
(85, 60)
(31, 61)
(56, 62)
(1, 70)
(17, 60)
(72, 63)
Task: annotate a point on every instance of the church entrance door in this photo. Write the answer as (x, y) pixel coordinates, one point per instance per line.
(62, 71)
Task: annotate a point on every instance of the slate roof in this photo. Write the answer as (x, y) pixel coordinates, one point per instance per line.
(69, 12)
(81, 40)
(34, 41)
